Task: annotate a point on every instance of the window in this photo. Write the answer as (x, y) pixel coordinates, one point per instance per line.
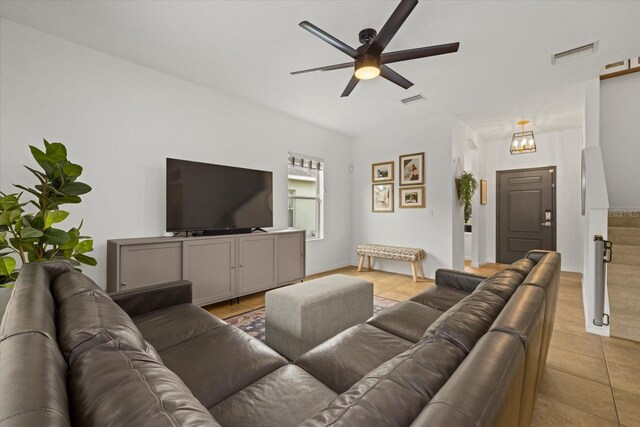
(306, 193)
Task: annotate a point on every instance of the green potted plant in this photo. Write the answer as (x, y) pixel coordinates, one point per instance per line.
(466, 186)
(32, 236)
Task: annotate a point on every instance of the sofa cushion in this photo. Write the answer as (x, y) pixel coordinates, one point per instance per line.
(503, 283)
(285, 397)
(440, 297)
(466, 322)
(407, 320)
(394, 393)
(344, 359)
(221, 362)
(172, 325)
(522, 266)
(72, 283)
(31, 307)
(89, 319)
(116, 387)
(523, 317)
(33, 382)
(484, 391)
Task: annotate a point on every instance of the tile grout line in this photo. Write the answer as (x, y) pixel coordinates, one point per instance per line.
(606, 364)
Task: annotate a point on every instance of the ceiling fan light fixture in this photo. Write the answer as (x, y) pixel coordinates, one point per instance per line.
(367, 68)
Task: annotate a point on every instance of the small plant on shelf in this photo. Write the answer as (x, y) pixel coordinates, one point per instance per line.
(466, 186)
(31, 236)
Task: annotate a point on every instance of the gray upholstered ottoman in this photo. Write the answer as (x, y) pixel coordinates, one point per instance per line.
(299, 317)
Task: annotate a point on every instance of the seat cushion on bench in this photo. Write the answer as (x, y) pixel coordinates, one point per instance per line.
(440, 297)
(283, 398)
(172, 325)
(407, 320)
(392, 252)
(344, 359)
(218, 363)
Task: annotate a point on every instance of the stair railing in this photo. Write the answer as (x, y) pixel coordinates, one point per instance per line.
(604, 254)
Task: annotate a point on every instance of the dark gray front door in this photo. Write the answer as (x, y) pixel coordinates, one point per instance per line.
(525, 212)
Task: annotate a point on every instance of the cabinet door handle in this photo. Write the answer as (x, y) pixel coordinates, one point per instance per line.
(123, 284)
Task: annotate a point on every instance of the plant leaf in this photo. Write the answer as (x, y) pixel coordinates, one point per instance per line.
(86, 259)
(56, 151)
(54, 217)
(55, 236)
(72, 170)
(43, 160)
(5, 218)
(30, 233)
(84, 246)
(7, 265)
(75, 188)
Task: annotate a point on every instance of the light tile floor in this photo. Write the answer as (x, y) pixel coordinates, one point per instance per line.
(589, 380)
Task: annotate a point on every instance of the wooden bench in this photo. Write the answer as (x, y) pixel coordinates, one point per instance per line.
(398, 253)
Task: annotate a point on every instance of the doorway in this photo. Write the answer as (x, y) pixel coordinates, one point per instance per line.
(525, 212)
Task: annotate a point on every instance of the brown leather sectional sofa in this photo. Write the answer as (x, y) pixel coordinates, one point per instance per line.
(467, 352)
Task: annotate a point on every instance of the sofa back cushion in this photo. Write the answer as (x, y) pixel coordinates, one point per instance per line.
(89, 319)
(72, 283)
(466, 322)
(523, 317)
(484, 391)
(546, 275)
(394, 393)
(33, 372)
(111, 386)
(33, 382)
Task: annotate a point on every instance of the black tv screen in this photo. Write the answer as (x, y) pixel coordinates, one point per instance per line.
(203, 196)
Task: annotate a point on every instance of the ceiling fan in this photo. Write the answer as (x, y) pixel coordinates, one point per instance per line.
(368, 60)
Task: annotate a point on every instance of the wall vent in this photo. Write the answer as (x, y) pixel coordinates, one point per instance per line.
(412, 99)
(574, 53)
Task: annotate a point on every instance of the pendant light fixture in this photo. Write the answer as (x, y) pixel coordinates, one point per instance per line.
(523, 142)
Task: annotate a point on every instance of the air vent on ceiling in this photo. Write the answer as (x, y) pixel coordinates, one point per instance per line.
(574, 53)
(412, 99)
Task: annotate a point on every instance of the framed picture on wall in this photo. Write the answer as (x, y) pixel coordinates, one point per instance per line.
(382, 198)
(411, 197)
(411, 169)
(382, 172)
(483, 191)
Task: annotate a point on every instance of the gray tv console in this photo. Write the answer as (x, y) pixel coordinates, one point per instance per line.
(220, 267)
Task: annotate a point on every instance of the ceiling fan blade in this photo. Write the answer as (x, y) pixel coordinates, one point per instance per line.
(329, 39)
(392, 26)
(352, 84)
(327, 68)
(394, 77)
(419, 52)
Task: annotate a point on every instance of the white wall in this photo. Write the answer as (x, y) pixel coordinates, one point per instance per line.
(561, 149)
(120, 120)
(429, 228)
(619, 114)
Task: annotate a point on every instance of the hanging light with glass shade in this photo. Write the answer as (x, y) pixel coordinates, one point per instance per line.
(523, 142)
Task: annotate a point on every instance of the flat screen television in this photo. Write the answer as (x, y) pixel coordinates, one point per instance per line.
(208, 197)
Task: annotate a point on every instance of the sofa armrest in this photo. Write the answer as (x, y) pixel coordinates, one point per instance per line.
(458, 279)
(143, 300)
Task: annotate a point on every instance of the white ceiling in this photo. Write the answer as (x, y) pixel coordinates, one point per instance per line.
(502, 72)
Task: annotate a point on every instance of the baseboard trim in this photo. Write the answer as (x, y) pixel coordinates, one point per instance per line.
(328, 268)
(572, 269)
(598, 330)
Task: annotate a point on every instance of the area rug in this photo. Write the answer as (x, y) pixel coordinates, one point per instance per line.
(252, 322)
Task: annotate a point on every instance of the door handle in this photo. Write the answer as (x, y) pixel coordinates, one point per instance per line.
(546, 223)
